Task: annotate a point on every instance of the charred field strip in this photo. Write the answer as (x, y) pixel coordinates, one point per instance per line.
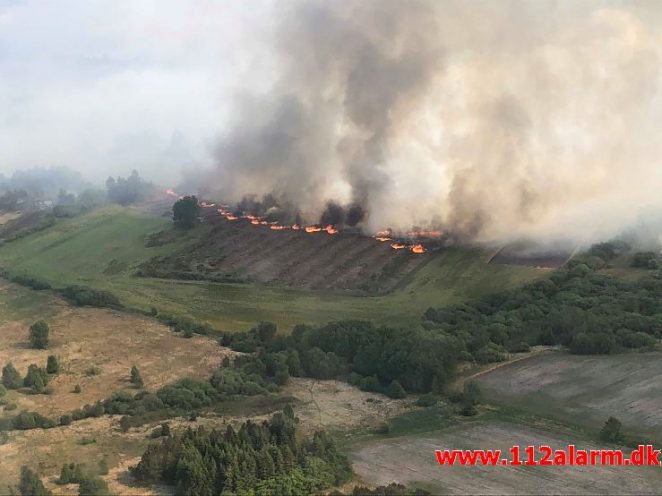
(240, 252)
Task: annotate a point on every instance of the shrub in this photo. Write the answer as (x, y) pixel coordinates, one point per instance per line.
(427, 400)
(395, 390)
(90, 371)
(611, 431)
(31, 282)
(85, 296)
(52, 365)
(489, 353)
(30, 484)
(136, 379)
(39, 335)
(77, 389)
(93, 486)
(31, 420)
(36, 379)
(471, 396)
(71, 473)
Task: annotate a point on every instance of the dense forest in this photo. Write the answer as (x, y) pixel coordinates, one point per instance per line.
(259, 459)
(577, 306)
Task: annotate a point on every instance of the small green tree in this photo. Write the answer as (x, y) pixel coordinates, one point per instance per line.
(125, 423)
(11, 379)
(30, 484)
(471, 397)
(36, 379)
(136, 379)
(611, 431)
(77, 389)
(39, 335)
(3, 391)
(186, 212)
(52, 365)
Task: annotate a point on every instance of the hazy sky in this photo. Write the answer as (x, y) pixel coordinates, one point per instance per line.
(107, 86)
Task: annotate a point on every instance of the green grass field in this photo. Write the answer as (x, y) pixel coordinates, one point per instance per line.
(79, 250)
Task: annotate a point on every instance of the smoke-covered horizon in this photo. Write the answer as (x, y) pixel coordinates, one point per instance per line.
(496, 120)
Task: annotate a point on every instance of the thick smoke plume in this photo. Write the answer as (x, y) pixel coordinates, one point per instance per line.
(496, 120)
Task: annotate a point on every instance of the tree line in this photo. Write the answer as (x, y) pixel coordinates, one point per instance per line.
(258, 458)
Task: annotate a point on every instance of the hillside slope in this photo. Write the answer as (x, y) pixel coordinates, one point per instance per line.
(241, 252)
(105, 247)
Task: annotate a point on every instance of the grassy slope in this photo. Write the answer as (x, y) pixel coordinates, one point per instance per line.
(79, 250)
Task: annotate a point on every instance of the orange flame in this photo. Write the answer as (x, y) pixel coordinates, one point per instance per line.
(255, 222)
(277, 227)
(313, 229)
(264, 223)
(418, 249)
(231, 217)
(171, 192)
(251, 217)
(296, 227)
(398, 246)
(330, 229)
(383, 238)
(384, 234)
(204, 204)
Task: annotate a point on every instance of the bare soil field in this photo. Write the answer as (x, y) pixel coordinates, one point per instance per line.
(241, 252)
(584, 390)
(411, 460)
(83, 338)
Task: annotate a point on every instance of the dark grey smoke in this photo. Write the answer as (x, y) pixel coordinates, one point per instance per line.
(350, 71)
(496, 120)
(333, 214)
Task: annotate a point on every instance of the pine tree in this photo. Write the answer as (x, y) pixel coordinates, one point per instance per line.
(136, 379)
(52, 365)
(39, 335)
(36, 379)
(11, 379)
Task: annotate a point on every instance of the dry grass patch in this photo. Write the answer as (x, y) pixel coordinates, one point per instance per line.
(112, 342)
